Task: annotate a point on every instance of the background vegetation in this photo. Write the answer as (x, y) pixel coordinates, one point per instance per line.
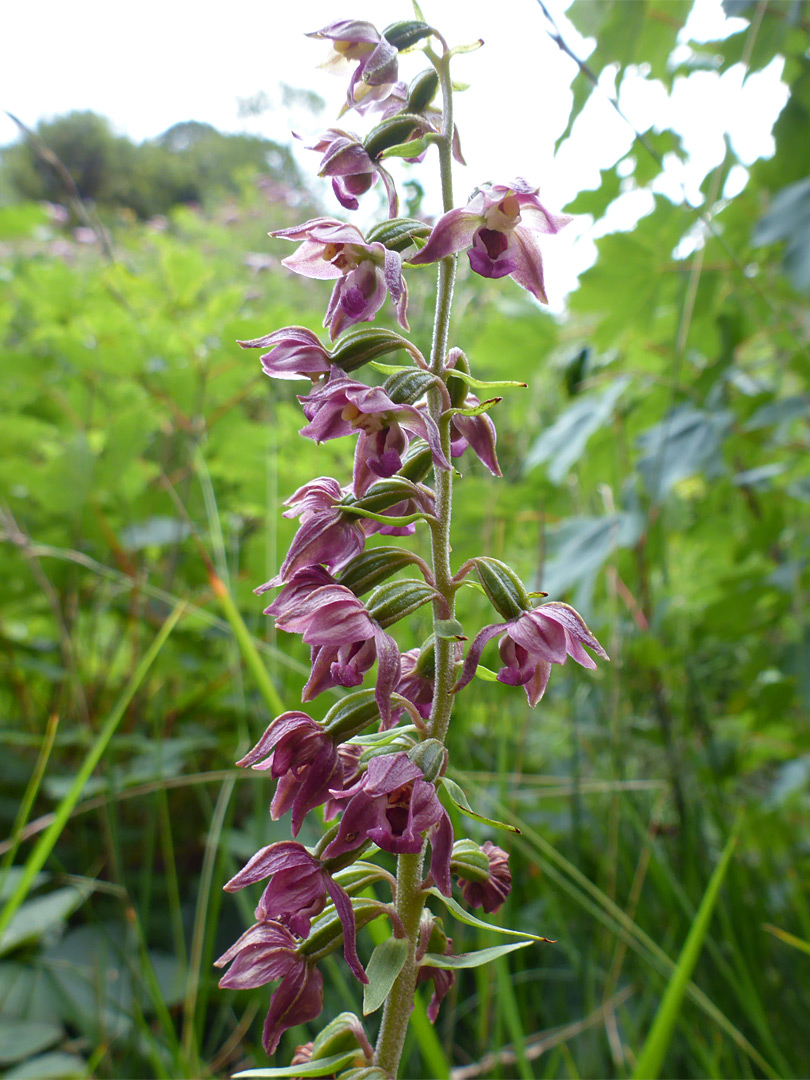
(656, 476)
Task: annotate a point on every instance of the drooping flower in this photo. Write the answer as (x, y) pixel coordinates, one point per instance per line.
(353, 39)
(326, 534)
(345, 642)
(266, 952)
(414, 684)
(432, 938)
(531, 643)
(342, 406)
(499, 228)
(487, 889)
(295, 353)
(298, 893)
(393, 805)
(352, 171)
(303, 758)
(364, 273)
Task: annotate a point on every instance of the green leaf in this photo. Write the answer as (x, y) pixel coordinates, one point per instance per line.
(323, 1067)
(475, 410)
(19, 1039)
(471, 920)
(485, 674)
(383, 967)
(36, 917)
(685, 442)
(413, 148)
(578, 547)
(472, 959)
(462, 802)
(398, 522)
(482, 384)
(54, 1066)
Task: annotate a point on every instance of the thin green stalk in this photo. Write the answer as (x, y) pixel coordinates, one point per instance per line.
(410, 898)
(47, 841)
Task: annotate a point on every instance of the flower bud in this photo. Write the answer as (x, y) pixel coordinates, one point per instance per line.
(391, 132)
(418, 461)
(408, 386)
(431, 758)
(422, 90)
(457, 388)
(342, 1035)
(469, 861)
(505, 590)
(397, 233)
(358, 347)
(351, 715)
(404, 34)
(396, 599)
(373, 567)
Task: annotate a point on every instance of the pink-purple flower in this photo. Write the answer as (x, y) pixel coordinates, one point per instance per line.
(264, 953)
(353, 39)
(351, 169)
(364, 273)
(294, 353)
(393, 805)
(326, 534)
(297, 893)
(342, 406)
(490, 892)
(531, 643)
(303, 758)
(499, 228)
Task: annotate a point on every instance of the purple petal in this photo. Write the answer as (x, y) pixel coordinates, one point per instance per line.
(343, 906)
(473, 656)
(441, 848)
(388, 671)
(298, 998)
(284, 855)
(453, 232)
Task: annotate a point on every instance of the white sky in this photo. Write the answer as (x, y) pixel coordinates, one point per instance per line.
(149, 66)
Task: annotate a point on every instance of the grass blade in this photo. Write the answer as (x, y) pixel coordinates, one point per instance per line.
(47, 840)
(651, 1058)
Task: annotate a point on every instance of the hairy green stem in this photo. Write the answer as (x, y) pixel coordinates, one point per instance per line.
(410, 898)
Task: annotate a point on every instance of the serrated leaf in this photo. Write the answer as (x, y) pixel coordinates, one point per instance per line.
(463, 804)
(322, 1067)
(472, 920)
(382, 969)
(473, 959)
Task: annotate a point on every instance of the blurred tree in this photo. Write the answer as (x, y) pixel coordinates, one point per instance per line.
(190, 162)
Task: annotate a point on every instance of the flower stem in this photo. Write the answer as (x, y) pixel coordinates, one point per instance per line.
(410, 898)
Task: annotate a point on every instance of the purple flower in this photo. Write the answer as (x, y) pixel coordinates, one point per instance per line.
(477, 432)
(326, 535)
(295, 353)
(264, 953)
(351, 168)
(414, 684)
(442, 980)
(535, 640)
(297, 893)
(492, 892)
(500, 226)
(353, 39)
(342, 406)
(345, 643)
(304, 760)
(393, 805)
(365, 273)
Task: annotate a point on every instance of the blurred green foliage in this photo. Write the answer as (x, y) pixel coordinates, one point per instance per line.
(656, 476)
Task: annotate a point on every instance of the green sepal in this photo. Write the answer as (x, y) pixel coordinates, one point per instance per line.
(380, 738)
(326, 933)
(396, 599)
(474, 410)
(472, 959)
(397, 233)
(469, 861)
(351, 715)
(481, 384)
(504, 589)
(396, 129)
(382, 969)
(405, 33)
(339, 1037)
(374, 566)
(408, 385)
(449, 630)
(422, 90)
(455, 793)
(362, 346)
(472, 920)
(324, 1067)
